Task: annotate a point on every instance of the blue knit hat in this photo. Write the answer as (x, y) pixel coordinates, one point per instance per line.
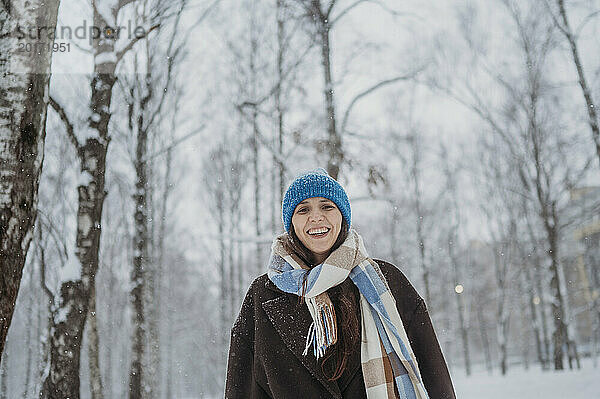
(316, 183)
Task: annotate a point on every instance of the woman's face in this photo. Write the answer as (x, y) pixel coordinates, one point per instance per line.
(317, 222)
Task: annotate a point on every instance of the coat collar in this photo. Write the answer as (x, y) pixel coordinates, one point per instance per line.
(293, 327)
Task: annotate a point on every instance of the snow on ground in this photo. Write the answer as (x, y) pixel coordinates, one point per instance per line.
(530, 384)
(521, 384)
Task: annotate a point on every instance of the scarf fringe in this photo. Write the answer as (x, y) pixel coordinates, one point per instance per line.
(322, 332)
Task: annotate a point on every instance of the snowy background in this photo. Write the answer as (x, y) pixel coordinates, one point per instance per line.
(530, 384)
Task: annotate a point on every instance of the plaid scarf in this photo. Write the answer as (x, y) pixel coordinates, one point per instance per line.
(389, 365)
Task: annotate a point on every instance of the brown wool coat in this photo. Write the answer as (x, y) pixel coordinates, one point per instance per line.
(268, 338)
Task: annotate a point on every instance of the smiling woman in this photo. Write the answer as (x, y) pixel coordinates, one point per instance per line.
(328, 321)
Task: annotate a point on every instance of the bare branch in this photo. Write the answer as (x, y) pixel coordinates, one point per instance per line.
(97, 13)
(171, 56)
(61, 247)
(284, 75)
(376, 2)
(583, 23)
(555, 19)
(129, 45)
(173, 144)
(374, 88)
(42, 258)
(329, 9)
(279, 157)
(69, 127)
(346, 11)
(80, 47)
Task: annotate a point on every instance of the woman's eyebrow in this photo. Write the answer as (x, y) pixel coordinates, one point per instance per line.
(323, 200)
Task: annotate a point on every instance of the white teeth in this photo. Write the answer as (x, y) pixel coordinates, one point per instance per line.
(318, 231)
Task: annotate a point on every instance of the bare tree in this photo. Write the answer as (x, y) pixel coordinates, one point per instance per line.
(415, 172)
(214, 168)
(498, 206)
(562, 23)
(540, 155)
(452, 242)
(23, 90)
(254, 144)
(322, 17)
(75, 294)
(501, 264)
(167, 188)
(534, 288)
(147, 107)
(279, 170)
(540, 180)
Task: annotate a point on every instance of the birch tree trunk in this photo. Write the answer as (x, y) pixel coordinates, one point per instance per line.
(334, 139)
(23, 104)
(557, 304)
(502, 315)
(65, 342)
(320, 16)
(140, 259)
(93, 348)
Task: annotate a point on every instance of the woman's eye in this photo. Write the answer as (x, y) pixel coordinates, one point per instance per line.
(301, 210)
(328, 207)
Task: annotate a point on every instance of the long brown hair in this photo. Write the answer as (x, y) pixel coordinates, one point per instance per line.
(344, 301)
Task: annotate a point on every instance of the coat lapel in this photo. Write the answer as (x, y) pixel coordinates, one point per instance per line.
(293, 327)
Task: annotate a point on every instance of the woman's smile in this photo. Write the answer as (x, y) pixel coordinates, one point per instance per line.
(318, 233)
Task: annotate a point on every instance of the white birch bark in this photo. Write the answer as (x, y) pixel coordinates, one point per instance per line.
(75, 292)
(23, 103)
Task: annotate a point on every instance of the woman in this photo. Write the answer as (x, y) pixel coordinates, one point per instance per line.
(327, 321)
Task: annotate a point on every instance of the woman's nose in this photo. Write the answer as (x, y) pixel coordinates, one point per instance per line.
(316, 215)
